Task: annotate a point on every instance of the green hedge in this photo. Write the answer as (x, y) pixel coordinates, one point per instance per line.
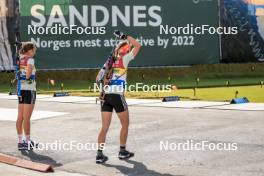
(154, 74)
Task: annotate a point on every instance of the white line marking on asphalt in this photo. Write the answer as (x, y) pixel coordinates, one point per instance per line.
(9, 114)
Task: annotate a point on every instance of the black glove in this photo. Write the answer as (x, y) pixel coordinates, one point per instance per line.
(120, 35)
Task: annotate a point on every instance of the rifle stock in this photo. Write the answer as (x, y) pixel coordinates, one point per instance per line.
(108, 72)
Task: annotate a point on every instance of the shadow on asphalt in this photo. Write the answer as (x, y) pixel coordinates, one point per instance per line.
(40, 158)
(139, 169)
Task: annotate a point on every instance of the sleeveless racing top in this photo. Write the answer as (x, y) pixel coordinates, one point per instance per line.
(27, 85)
(118, 81)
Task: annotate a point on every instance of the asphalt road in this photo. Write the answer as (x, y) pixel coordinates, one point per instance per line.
(149, 128)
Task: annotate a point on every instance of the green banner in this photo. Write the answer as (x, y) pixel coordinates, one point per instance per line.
(72, 34)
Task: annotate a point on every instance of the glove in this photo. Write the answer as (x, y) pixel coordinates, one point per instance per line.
(120, 35)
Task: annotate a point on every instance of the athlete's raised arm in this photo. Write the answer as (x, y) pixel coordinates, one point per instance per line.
(131, 40)
(135, 44)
